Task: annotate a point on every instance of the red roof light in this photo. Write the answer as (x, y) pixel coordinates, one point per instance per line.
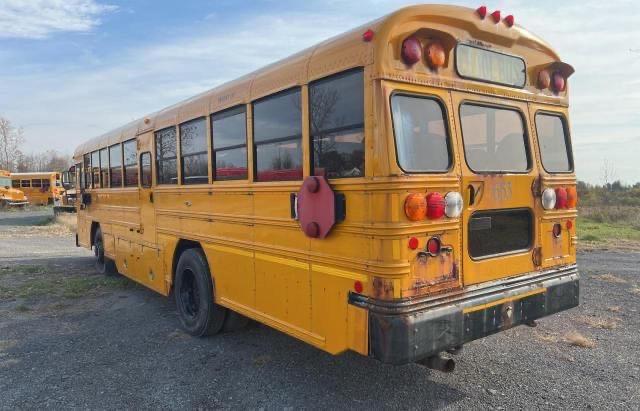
(368, 35)
(496, 16)
(509, 20)
(411, 51)
(482, 11)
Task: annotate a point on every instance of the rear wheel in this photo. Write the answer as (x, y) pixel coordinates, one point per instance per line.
(194, 294)
(104, 265)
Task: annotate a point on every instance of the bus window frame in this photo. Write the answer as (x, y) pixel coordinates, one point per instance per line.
(182, 156)
(567, 140)
(254, 144)
(445, 120)
(221, 115)
(140, 166)
(176, 158)
(526, 136)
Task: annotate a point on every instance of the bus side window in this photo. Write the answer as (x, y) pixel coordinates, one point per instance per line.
(166, 156)
(130, 163)
(229, 133)
(145, 170)
(87, 171)
(277, 136)
(25, 183)
(104, 167)
(95, 169)
(336, 110)
(115, 166)
(193, 149)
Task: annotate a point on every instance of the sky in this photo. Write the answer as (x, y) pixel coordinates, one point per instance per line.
(74, 69)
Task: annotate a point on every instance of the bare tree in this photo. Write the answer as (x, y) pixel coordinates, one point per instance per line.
(11, 138)
(608, 173)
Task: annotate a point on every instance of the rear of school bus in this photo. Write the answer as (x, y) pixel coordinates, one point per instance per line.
(477, 192)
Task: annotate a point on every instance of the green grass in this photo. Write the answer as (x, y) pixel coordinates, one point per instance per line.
(70, 287)
(590, 230)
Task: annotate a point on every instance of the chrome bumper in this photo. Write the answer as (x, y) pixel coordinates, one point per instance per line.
(408, 330)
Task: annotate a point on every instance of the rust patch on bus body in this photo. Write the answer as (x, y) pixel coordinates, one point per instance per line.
(382, 288)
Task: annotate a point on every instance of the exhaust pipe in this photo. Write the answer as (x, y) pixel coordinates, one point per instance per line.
(438, 362)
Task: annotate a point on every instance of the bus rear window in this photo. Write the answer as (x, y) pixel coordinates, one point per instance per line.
(421, 135)
(494, 139)
(552, 138)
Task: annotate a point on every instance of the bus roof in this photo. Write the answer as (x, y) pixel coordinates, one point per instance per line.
(35, 174)
(342, 52)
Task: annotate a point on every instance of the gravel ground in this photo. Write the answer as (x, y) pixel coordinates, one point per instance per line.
(70, 338)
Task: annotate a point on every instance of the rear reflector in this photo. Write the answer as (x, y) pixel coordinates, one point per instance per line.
(413, 243)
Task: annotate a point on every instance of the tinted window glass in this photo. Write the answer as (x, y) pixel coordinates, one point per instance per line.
(337, 124)
(193, 146)
(277, 137)
(104, 167)
(422, 144)
(166, 157)
(229, 131)
(87, 170)
(494, 139)
(46, 184)
(552, 138)
(25, 183)
(145, 169)
(115, 165)
(130, 163)
(95, 169)
(36, 182)
(15, 183)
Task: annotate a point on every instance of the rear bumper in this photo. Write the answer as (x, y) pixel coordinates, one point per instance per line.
(403, 331)
(16, 203)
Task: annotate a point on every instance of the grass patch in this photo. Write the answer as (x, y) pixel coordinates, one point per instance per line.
(576, 339)
(595, 231)
(69, 287)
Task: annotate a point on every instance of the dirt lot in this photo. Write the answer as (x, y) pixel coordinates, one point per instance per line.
(70, 338)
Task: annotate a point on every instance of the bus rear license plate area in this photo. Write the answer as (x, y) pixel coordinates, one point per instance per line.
(408, 337)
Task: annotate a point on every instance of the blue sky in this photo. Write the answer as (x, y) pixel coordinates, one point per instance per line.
(73, 69)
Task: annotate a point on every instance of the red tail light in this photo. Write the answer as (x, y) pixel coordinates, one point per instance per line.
(558, 82)
(482, 11)
(496, 16)
(561, 197)
(435, 206)
(411, 51)
(434, 246)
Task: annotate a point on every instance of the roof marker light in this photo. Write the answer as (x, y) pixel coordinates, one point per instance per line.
(496, 16)
(509, 20)
(544, 80)
(368, 35)
(558, 82)
(482, 11)
(435, 55)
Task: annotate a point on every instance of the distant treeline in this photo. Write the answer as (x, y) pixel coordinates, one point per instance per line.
(610, 194)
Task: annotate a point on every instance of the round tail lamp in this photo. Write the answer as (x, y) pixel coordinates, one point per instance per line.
(548, 199)
(561, 197)
(453, 204)
(572, 197)
(544, 80)
(415, 207)
(434, 246)
(411, 51)
(557, 230)
(558, 82)
(435, 55)
(435, 206)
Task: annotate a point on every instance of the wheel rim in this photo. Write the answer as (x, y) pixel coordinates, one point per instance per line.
(189, 295)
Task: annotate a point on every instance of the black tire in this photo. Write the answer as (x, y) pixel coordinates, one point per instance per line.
(194, 295)
(234, 322)
(104, 265)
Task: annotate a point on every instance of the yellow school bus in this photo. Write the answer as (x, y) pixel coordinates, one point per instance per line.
(398, 190)
(41, 188)
(10, 197)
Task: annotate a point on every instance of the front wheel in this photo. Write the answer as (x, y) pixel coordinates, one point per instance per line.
(193, 289)
(104, 265)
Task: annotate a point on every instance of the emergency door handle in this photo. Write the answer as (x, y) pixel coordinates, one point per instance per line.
(187, 203)
(472, 194)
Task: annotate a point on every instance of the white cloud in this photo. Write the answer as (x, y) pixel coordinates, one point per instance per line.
(40, 18)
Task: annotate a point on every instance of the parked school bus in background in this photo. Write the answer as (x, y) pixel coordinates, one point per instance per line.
(398, 190)
(10, 197)
(41, 188)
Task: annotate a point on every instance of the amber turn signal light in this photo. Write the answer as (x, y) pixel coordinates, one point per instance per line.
(435, 55)
(415, 207)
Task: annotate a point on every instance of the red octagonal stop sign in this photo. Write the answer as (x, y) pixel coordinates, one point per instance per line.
(316, 207)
